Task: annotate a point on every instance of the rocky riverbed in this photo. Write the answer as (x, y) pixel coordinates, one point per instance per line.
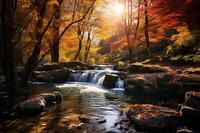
(156, 98)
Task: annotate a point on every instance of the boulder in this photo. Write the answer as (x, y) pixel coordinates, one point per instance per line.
(110, 80)
(130, 89)
(192, 99)
(55, 76)
(151, 118)
(139, 84)
(143, 68)
(121, 66)
(52, 98)
(61, 65)
(192, 71)
(31, 107)
(36, 105)
(72, 65)
(184, 130)
(48, 67)
(58, 96)
(191, 116)
(110, 95)
(49, 98)
(168, 84)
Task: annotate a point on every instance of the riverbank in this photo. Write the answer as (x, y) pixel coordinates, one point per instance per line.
(104, 112)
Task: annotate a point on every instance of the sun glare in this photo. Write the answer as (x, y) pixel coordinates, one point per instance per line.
(118, 9)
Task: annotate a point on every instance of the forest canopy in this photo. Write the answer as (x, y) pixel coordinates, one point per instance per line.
(95, 31)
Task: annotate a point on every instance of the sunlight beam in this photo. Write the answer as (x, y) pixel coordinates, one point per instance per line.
(118, 9)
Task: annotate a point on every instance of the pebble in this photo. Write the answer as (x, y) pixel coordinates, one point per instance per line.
(102, 121)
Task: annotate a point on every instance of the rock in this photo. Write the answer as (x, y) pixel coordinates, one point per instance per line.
(31, 107)
(48, 97)
(165, 85)
(79, 126)
(72, 65)
(110, 80)
(83, 68)
(192, 99)
(130, 89)
(52, 98)
(191, 116)
(134, 83)
(151, 118)
(121, 66)
(36, 105)
(163, 78)
(102, 121)
(55, 76)
(61, 65)
(143, 68)
(110, 95)
(192, 71)
(138, 84)
(187, 79)
(77, 67)
(84, 119)
(148, 90)
(58, 96)
(48, 67)
(183, 130)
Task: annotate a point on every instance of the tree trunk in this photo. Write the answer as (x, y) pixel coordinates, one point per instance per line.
(80, 32)
(78, 51)
(7, 48)
(55, 45)
(150, 54)
(88, 45)
(33, 59)
(130, 47)
(56, 28)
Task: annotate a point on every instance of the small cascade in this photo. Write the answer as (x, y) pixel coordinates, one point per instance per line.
(87, 76)
(119, 84)
(96, 76)
(101, 80)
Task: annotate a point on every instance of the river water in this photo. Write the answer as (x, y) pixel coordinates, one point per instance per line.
(87, 107)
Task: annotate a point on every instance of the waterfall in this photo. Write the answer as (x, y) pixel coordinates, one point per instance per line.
(96, 76)
(87, 76)
(100, 81)
(119, 84)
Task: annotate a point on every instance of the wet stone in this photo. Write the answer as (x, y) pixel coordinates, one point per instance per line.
(58, 96)
(191, 116)
(31, 107)
(102, 121)
(152, 118)
(48, 97)
(192, 99)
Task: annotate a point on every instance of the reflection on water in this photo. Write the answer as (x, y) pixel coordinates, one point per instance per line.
(83, 109)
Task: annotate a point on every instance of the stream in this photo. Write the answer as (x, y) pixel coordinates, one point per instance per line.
(86, 107)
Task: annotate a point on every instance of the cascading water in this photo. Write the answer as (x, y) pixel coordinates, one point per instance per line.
(119, 84)
(95, 76)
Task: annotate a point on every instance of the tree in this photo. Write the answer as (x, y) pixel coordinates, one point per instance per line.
(180, 12)
(73, 20)
(32, 62)
(10, 23)
(150, 54)
(7, 52)
(130, 26)
(56, 28)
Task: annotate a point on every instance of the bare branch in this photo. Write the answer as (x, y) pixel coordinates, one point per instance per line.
(20, 34)
(83, 17)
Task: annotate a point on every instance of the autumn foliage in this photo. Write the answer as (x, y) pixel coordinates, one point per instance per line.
(175, 13)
